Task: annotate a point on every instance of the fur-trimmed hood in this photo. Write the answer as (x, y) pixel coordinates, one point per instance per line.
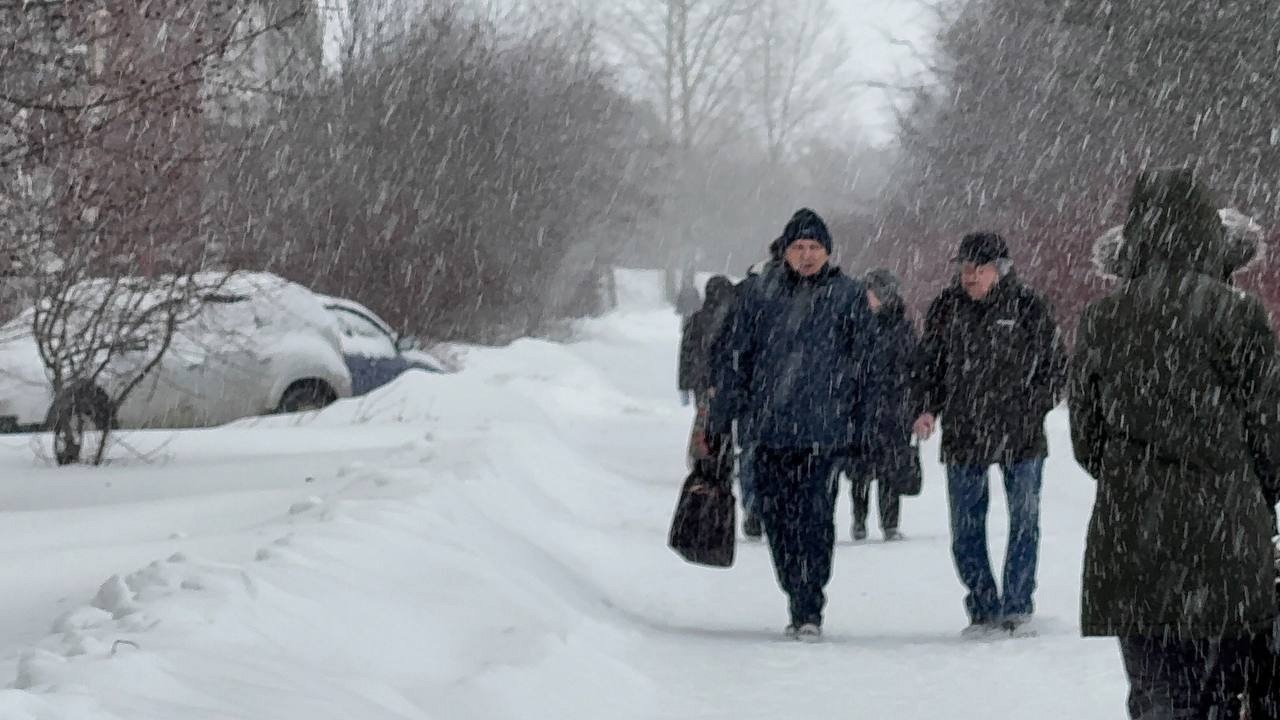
(1245, 242)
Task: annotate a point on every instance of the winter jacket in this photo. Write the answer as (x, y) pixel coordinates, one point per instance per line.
(886, 448)
(699, 339)
(1174, 390)
(991, 370)
(794, 370)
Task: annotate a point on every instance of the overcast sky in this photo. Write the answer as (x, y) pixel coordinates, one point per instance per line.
(867, 23)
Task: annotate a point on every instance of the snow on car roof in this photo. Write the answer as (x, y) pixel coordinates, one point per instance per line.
(281, 296)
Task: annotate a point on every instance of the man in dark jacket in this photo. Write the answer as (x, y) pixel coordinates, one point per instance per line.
(794, 379)
(1174, 390)
(886, 454)
(991, 366)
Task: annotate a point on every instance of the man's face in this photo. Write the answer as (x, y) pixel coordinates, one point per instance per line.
(978, 279)
(807, 257)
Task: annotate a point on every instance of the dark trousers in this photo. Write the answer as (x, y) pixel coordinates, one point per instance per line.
(968, 495)
(795, 496)
(1263, 690)
(887, 499)
(1187, 679)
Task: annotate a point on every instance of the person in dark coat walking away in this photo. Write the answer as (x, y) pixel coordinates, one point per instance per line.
(751, 525)
(795, 378)
(1174, 388)
(699, 339)
(886, 455)
(710, 455)
(688, 301)
(991, 366)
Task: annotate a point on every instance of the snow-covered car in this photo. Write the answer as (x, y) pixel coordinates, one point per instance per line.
(375, 354)
(255, 344)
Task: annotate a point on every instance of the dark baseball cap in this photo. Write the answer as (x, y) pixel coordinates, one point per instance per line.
(982, 248)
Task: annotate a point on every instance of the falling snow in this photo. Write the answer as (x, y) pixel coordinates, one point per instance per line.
(355, 353)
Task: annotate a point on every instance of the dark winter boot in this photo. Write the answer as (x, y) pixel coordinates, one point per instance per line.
(751, 527)
(859, 532)
(982, 631)
(809, 632)
(1018, 625)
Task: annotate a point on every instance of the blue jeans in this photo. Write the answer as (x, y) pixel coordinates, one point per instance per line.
(968, 494)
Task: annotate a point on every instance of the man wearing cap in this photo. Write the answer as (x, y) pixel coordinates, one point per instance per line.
(990, 366)
(794, 377)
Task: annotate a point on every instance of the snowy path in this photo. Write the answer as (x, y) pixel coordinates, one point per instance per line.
(491, 545)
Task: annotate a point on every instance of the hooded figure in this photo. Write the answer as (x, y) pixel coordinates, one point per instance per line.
(700, 334)
(1173, 397)
(794, 377)
(886, 454)
(1244, 242)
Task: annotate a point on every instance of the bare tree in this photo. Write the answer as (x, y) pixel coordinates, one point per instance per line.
(1040, 115)
(105, 181)
(101, 339)
(369, 30)
(504, 165)
(688, 57)
(795, 71)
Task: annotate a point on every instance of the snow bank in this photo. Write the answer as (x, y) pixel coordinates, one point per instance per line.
(453, 576)
(491, 545)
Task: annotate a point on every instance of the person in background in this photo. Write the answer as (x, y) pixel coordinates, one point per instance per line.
(699, 339)
(688, 300)
(752, 528)
(887, 456)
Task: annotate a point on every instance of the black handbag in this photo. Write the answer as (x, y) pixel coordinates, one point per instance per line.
(911, 475)
(704, 526)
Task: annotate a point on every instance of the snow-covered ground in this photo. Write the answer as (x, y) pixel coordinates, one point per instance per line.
(490, 545)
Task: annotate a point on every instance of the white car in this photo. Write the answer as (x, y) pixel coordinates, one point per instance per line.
(257, 344)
